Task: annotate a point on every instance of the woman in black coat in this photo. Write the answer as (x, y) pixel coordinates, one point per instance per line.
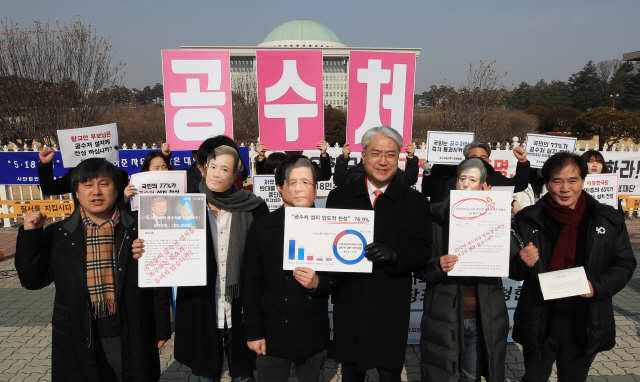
(465, 323)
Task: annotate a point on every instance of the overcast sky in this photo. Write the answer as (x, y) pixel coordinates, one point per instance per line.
(531, 40)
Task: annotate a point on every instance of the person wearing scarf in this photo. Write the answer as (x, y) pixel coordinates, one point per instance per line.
(209, 318)
(567, 228)
(104, 327)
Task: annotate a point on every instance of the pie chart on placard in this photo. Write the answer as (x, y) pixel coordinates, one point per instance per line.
(348, 247)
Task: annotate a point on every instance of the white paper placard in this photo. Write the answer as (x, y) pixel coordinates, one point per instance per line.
(176, 248)
(88, 142)
(564, 283)
(264, 186)
(479, 229)
(327, 240)
(603, 187)
(158, 182)
(542, 147)
(446, 147)
(508, 189)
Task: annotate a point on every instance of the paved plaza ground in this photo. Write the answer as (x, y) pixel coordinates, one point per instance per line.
(25, 334)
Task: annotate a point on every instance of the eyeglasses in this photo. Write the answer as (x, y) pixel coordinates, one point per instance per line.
(377, 155)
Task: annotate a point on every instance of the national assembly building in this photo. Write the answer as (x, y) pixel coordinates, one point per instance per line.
(300, 35)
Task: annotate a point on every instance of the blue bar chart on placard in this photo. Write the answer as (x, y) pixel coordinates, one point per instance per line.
(327, 240)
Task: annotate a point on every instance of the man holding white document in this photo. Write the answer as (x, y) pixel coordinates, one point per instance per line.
(573, 254)
(464, 327)
(285, 312)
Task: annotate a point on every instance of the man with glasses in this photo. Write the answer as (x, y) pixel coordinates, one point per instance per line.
(371, 310)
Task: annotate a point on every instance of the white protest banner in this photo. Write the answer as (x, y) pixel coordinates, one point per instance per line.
(175, 240)
(479, 229)
(264, 186)
(603, 187)
(327, 240)
(157, 182)
(542, 147)
(88, 142)
(446, 147)
(627, 165)
(564, 283)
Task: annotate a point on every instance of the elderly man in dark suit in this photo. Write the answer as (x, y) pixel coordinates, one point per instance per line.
(371, 310)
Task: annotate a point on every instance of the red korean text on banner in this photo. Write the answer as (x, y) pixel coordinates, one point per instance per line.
(381, 88)
(290, 99)
(197, 93)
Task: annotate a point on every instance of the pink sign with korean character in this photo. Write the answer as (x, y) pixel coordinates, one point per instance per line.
(197, 94)
(381, 88)
(290, 103)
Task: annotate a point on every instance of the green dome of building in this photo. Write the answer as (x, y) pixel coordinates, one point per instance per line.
(302, 30)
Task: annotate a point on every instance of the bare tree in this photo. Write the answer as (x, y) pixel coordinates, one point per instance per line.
(51, 79)
(475, 107)
(606, 70)
(244, 95)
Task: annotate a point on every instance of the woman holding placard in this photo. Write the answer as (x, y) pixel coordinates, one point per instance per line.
(153, 161)
(465, 323)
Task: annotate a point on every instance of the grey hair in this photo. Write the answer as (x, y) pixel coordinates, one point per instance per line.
(475, 144)
(470, 163)
(383, 130)
(225, 150)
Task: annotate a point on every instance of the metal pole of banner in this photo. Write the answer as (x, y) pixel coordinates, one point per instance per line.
(5, 208)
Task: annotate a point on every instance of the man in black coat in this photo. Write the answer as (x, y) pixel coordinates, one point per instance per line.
(464, 326)
(567, 228)
(211, 315)
(343, 173)
(371, 310)
(482, 150)
(105, 328)
(286, 312)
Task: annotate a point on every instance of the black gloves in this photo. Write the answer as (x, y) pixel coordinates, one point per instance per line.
(380, 253)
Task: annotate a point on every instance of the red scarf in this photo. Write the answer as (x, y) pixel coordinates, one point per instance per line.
(564, 253)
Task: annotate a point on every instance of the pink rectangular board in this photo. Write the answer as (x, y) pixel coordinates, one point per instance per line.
(290, 104)
(197, 94)
(381, 88)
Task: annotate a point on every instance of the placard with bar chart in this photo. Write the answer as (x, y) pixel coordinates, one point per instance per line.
(327, 239)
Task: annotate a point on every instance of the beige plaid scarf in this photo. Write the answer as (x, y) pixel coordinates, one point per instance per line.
(101, 264)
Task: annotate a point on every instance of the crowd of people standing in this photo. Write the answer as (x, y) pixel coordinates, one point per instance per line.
(265, 318)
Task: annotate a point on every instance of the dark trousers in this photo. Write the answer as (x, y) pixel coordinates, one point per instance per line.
(275, 369)
(225, 341)
(571, 362)
(350, 373)
(109, 358)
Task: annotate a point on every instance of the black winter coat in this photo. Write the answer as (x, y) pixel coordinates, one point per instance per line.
(58, 254)
(343, 173)
(197, 334)
(371, 310)
(293, 321)
(609, 263)
(441, 332)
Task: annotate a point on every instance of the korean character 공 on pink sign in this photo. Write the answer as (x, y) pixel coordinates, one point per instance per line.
(197, 93)
(380, 93)
(290, 99)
